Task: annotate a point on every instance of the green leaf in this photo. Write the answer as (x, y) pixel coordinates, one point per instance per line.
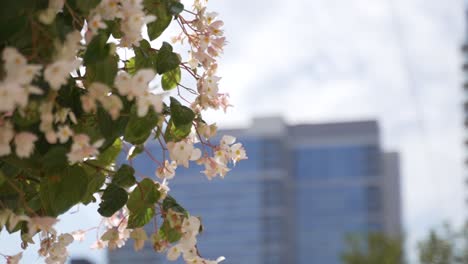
(130, 66)
(141, 203)
(170, 79)
(113, 199)
(95, 182)
(55, 160)
(88, 124)
(167, 60)
(2, 178)
(124, 177)
(138, 128)
(141, 217)
(29, 117)
(86, 5)
(134, 151)
(97, 49)
(180, 123)
(160, 9)
(113, 27)
(101, 63)
(110, 129)
(144, 195)
(169, 233)
(109, 156)
(181, 114)
(176, 8)
(170, 203)
(59, 192)
(69, 97)
(63, 25)
(103, 71)
(145, 56)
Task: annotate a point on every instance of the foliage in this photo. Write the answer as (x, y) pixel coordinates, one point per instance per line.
(71, 101)
(372, 248)
(444, 247)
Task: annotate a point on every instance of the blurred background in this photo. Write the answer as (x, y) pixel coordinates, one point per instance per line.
(352, 115)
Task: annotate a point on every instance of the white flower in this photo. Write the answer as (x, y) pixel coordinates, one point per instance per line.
(64, 133)
(109, 9)
(81, 148)
(135, 86)
(173, 253)
(227, 140)
(113, 105)
(57, 73)
(238, 153)
(139, 235)
(15, 219)
(40, 223)
(79, 235)
(147, 100)
(14, 259)
(65, 239)
(95, 23)
(47, 16)
(214, 167)
(191, 225)
(9, 94)
(67, 51)
(115, 238)
(163, 189)
(24, 143)
(208, 131)
(181, 152)
(6, 135)
(99, 244)
(167, 171)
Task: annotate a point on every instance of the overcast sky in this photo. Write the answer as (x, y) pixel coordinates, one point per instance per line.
(397, 61)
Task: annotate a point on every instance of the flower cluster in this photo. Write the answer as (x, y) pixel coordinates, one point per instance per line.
(71, 101)
(207, 43)
(52, 247)
(189, 227)
(130, 13)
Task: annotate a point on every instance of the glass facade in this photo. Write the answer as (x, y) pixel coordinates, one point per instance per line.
(291, 202)
(333, 198)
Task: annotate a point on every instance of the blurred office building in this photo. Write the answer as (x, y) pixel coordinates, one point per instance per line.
(303, 188)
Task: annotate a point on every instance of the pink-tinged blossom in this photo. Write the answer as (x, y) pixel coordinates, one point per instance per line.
(57, 73)
(79, 235)
(6, 135)
(214, 167)
(181, 152)
(115, 238)
(81, 148)
(139, 235)
(167, 171)
(133, 19)
(48, 15)
(96, 23)
(238, 153)
(15, 258)
(15, 88)
(99, 244)
(36, 224)
(24, 143)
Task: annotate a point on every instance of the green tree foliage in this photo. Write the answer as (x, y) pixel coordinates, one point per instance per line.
(374, 248)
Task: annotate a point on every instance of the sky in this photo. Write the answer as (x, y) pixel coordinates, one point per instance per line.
(397, 61)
